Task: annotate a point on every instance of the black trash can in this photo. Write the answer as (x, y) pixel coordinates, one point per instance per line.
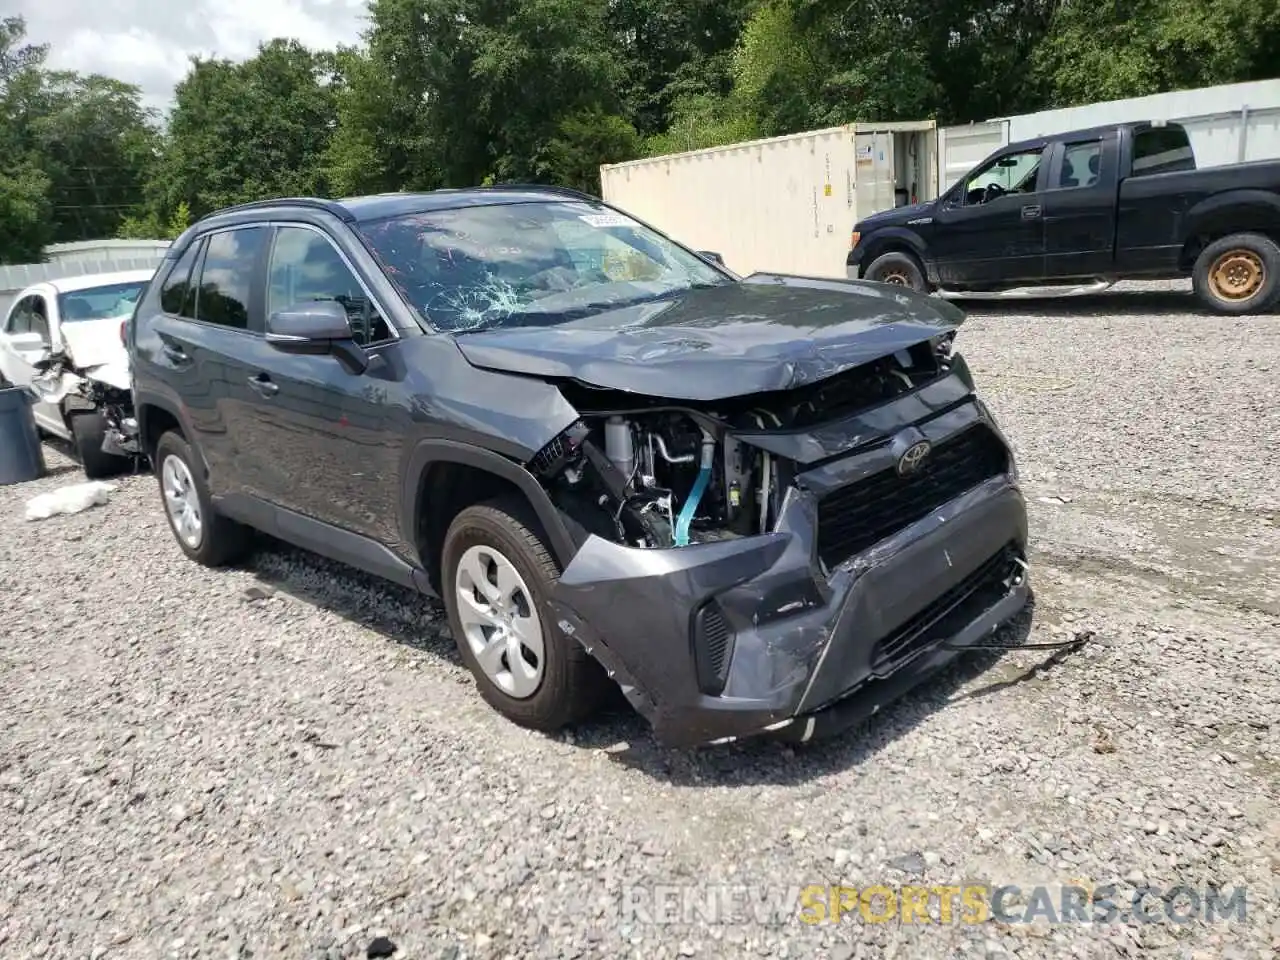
(21, 455)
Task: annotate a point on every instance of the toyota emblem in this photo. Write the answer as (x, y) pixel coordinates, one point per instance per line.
(913, 458)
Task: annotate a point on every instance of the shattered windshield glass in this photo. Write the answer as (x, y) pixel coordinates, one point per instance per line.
(529, 264)
(98, 303)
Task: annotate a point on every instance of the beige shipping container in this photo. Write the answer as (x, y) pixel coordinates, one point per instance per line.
(786, 204)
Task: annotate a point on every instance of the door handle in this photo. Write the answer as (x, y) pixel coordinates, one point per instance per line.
(1031, 212)
(262, 383)
(174, 352)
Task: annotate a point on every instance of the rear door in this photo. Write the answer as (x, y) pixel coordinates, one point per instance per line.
(1080, 209)
(208, 338)
(989, 227)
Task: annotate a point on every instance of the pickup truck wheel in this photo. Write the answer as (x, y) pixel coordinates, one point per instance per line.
(204, 535)
(496, 577)
(1238, 274)
(900, 269)
(88, 430)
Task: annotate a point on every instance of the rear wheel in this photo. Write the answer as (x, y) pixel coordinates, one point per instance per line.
(203, 534)
(496, 576)
(1238, 274)
(898, 268)
(88, 430)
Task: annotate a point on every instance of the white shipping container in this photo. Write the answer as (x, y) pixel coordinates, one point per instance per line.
(1230, 123)
(785, 204)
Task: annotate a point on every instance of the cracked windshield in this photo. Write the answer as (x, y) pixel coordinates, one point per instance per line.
(530, 264)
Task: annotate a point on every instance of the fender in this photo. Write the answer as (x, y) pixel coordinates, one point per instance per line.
(885, 237)
(1233, 211)
(144, 399)
(428, 452)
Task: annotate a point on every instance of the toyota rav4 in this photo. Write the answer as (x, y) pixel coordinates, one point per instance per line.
(762, 504)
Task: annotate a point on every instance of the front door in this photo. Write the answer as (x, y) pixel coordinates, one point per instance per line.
(24, 340)
(990, 227)
(329, 446)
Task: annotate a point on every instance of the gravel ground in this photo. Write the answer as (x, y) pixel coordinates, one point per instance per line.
(188, 769)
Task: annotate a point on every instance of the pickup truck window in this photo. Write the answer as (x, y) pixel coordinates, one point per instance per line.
(1081, 163)
(1011, 173)
(1162, 150)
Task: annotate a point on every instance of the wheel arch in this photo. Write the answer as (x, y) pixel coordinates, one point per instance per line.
(157, 416)
(895, 240)
(1224, 214)
(444, 477)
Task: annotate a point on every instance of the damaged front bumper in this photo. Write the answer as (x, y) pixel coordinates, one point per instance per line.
(736, 638)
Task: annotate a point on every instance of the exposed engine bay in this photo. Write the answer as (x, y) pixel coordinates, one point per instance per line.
(648, 473)
(104, 388)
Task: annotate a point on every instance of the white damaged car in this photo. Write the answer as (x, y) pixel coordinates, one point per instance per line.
(64, 341)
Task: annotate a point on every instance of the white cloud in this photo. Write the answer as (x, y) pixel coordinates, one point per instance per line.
(148, 42)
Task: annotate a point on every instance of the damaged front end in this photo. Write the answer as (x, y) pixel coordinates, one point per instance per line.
(102, 388)
(749, 565)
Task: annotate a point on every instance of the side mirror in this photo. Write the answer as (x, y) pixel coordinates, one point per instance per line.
(316, 327)
(712, 256)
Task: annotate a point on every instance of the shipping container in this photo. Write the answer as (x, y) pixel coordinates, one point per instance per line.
(1230, 123)
(785, 204)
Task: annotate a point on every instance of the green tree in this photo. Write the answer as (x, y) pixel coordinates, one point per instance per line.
(247, 131)
(453, 91)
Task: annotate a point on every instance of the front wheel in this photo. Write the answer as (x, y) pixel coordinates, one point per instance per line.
(88, 431)
(1239, 274)
(898, 268)
(496, 576)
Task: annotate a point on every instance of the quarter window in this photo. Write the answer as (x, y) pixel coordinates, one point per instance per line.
(306, 267)
(226, 277)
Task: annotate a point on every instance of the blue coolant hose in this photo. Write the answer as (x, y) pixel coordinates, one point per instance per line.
(690, 507)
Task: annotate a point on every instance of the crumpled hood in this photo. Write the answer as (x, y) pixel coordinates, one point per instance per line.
(93, 343)
(770, 332)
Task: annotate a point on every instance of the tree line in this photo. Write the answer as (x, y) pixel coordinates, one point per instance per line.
(462, 92)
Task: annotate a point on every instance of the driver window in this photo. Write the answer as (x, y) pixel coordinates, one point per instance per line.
(1011, 173)
(20, 318)
(305, 266)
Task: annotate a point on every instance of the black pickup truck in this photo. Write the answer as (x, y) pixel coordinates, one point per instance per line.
(1078, 211)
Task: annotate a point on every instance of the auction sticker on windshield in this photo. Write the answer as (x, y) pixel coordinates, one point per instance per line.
(606, 220)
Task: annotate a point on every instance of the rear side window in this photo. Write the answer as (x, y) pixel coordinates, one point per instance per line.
(1162, 150)
(226, 276)
(178, 295)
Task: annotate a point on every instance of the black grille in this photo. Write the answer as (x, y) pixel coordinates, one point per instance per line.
(864, 513)
(948, 614)
(712, 645)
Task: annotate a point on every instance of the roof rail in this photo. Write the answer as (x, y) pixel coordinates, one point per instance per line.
(314, 203)
(542, 187)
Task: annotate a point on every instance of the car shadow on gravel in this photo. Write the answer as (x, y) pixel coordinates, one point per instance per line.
(408, 618)
(767, 762)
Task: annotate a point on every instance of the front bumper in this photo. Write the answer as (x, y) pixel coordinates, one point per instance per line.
(737, 638)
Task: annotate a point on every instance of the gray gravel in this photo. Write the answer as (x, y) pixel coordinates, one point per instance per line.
(189, 769)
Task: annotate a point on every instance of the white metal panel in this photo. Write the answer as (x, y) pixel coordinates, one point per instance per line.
(783, 204)
(961, 148)
(1226, 124)
(875, 173)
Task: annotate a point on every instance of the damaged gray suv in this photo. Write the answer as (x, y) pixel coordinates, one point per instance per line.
(758, 505)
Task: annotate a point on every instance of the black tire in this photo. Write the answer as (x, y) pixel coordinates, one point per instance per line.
(221, 541)
(898, 268)
(572, 684)
(88, 429)
(1239, 274)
